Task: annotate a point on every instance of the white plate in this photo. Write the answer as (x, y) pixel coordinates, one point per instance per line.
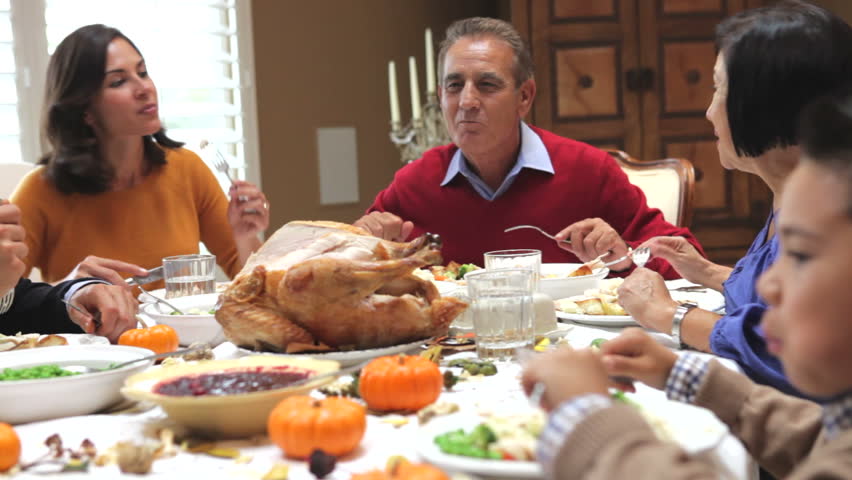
(695, 429)
(445, 288)
(709, 300)
(598, 320)
(23, 401)
(352, 357)
(430, 452)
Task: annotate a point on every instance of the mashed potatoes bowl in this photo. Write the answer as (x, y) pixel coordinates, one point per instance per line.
(556, 283)
(229, 415)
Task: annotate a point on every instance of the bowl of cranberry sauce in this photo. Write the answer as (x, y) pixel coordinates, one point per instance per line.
(230, 382)
(227, 398)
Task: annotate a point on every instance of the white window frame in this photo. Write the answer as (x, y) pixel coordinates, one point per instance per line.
(28, 17)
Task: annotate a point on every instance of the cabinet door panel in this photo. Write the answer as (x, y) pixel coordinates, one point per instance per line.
(574, 10)
(692, 6)
(587, 81)
(712, 181)
(580, 69)
(688, 76)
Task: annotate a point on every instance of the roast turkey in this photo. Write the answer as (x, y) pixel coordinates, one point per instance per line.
(318, 286)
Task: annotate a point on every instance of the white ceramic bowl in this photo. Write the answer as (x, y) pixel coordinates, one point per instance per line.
(23, 401)
(235, 415)
(562, 286)
(190, 328)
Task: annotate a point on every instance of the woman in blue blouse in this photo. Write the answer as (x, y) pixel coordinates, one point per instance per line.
(772, 61)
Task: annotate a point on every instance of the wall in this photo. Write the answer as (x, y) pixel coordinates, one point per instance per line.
(843, 8)
(323, 63)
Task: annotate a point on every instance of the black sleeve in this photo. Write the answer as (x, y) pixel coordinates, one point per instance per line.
(38, 308)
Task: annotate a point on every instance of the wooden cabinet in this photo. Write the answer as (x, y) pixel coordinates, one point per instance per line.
(637, 75)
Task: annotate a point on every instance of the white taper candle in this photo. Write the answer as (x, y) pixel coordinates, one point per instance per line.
(394, 97)
(430, 63)
(415, 89)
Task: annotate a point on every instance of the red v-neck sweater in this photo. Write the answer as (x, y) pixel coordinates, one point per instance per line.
(587, 183)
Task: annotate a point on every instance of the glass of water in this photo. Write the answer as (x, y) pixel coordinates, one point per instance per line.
(189, 275)
(520, 258)
(502, 304)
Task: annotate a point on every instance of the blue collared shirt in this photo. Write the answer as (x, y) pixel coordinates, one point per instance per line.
(533, 155)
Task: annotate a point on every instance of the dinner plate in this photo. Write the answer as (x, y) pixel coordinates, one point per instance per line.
(445, 288)
(694, 429)
(430, 452)
(351, 357)
(598, 320)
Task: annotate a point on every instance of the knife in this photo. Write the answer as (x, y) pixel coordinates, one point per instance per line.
(154, 274)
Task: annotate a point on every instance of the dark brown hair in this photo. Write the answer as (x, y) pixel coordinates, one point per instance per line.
(779, 59)
(74, 77)
(482, 27)
(825, 130)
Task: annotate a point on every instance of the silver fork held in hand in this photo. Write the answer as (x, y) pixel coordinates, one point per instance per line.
(517, 227)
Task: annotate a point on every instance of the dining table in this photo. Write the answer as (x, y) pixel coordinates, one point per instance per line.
(387, 435)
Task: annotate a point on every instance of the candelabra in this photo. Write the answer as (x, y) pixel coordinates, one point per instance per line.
(421, 133)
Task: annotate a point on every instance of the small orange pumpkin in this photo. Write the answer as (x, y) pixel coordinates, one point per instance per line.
(404, 383)
(159, 338)
(302, 424)
(403, 470)
(10, 447)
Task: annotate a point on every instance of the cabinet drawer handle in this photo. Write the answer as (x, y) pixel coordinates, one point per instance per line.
(586, 81)
(693, 76)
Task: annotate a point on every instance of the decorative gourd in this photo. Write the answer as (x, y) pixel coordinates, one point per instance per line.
(404, 383)
(302, 424)
(10, 447)
(403, 470)
(159, 338)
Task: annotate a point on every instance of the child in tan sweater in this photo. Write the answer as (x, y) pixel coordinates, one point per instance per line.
(808, 326)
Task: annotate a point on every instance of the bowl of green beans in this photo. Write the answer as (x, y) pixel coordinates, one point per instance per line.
(34, 385)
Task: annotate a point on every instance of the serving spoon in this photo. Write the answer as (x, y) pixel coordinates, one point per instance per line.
(87, 369)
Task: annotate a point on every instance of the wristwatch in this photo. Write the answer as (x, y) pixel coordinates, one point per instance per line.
(677, 320)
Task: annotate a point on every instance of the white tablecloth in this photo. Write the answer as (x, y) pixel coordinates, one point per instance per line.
(501, 392)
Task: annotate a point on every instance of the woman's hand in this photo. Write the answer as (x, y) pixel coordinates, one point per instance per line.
(565, 373)
(115, 304)
(107, 269)
(248, 210)
(686, 261)
(13, 250)
(646, 298)
(636, 355)
(591, 238)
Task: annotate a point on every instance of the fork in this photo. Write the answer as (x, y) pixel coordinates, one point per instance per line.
(640, 257)
(161, 301)
(517, 227)
(221, 164)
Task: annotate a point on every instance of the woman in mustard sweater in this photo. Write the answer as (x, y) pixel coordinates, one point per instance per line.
(114, 194)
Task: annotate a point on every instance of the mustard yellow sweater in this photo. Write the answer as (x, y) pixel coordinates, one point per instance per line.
(168, 213)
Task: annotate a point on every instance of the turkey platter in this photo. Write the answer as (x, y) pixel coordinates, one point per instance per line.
(320, 286)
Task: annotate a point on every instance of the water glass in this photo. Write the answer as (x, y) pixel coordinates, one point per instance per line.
(502, 304)
(520, 258)
(189, 275)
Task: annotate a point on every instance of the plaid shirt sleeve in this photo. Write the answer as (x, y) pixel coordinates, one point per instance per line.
(686, 377)
(561, 423)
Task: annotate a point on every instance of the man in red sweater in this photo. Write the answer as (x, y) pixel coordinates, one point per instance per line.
(500, 172)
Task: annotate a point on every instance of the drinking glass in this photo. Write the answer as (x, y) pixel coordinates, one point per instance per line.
(189, 275)
(521, 258)
(502, 304)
